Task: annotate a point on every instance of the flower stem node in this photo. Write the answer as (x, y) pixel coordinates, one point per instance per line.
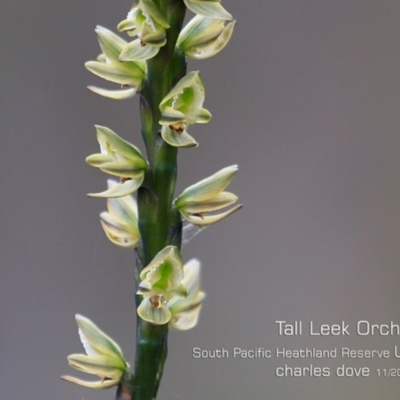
(208, 8)
(120, 222)
(103, 357)
(120, 158)
(145, 21)
(183, 106)
(207, 196)
(108, 66)
(205, 37)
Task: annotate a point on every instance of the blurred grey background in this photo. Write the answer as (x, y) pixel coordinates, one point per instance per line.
(306, 100)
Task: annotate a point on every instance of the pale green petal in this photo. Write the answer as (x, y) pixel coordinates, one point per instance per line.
(98, 159)
(114, 94)
(122, 189)
(186, 320)
(134, 51)
(171, 116)
(209, 219)
(185, 312)
(127, 25)
(209, 9)
(104, 357)
(149, 7)
(124, 208)
(185, 305)
(167, 254)
(110, 141)
(191, 281)
(187, 81)
(207, 188)
(164, 274)
(156, 37)
(101, 58)
(123, 168)
(111, 44)
(118, 233)
(102, 365)
(210, 48)
(223, 200)
(157, 315)
(112, 73)
(177, 139)
(201, 117)
(199, 30)
(102, 384)
(124, 73)
(94, 340)
(184, 102)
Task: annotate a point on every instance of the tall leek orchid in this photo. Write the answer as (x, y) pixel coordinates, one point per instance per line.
(168, 292)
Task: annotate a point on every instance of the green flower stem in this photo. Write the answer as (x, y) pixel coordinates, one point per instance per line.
(159, 225)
